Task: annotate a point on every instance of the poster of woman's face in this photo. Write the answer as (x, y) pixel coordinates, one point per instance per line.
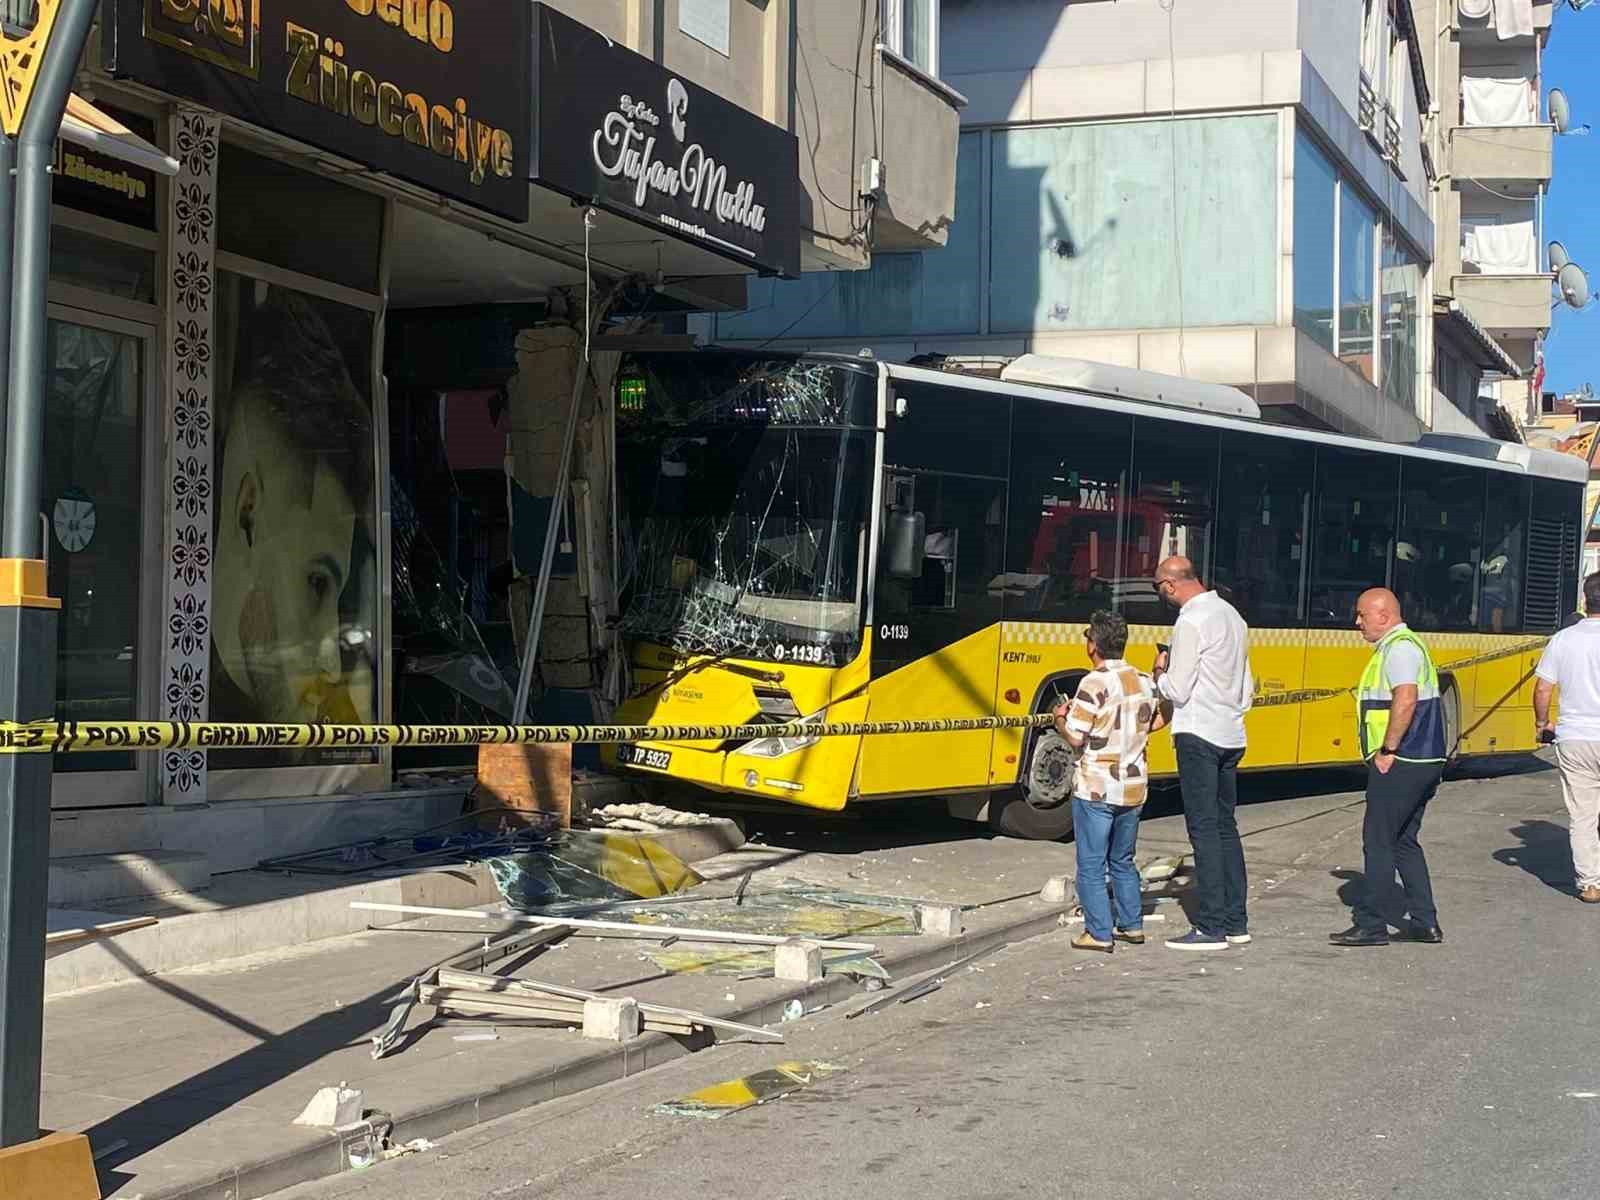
(293, 595)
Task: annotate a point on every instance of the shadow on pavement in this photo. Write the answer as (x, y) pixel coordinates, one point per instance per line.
(1543, 852)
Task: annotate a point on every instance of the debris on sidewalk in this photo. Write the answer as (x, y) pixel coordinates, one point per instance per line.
(645, 817)
(735, 1095)
(578, 866)
(915, 989)
(754, 963)
(471, 838)
(461, 986)
(332, 1107)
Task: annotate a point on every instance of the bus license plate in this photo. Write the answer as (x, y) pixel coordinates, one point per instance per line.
(640, 756)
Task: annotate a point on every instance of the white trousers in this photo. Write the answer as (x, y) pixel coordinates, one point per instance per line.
(1580, 786)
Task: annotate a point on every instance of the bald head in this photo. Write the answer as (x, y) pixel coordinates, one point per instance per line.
(1377, 612)
(1177, 581)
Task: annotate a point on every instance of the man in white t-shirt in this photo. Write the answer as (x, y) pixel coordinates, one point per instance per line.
(1571, 665)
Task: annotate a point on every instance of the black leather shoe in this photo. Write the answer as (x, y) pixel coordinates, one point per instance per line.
(1357, 936)
(1431, 934)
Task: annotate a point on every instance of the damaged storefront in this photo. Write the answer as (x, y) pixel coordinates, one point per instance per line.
(311, 397)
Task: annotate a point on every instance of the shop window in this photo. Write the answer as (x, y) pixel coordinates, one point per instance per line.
(102, 265)
(1436, 558)
(91, 503)
(1170, 512)
(276, 214)
(294, 590)
(1261, 528)
(1505, 526)
(1090, 223)
(1069, 470)
(1356, 503)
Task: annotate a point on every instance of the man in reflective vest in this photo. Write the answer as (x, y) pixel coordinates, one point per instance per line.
(1402, 739)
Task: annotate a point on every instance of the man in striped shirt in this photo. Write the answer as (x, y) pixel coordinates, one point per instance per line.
(1109, 723)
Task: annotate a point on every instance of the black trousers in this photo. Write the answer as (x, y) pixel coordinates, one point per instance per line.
(1395, 804)
(1209, 778)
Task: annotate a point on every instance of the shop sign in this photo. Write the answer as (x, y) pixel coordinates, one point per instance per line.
(435, 92)
(617, 129)
(107, 187)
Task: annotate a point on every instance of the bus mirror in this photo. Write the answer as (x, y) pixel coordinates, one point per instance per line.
(904, 536)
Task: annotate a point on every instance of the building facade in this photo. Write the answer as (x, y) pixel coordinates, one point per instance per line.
(1236, 193)
(303, 394)
(1491, 145)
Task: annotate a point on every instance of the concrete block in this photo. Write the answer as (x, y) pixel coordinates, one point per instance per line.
(798, 961)
(90, 879)
(940, 920)
(1058, 889)
(611, 1020)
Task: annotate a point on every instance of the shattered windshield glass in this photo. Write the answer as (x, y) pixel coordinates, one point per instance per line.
(744, 484)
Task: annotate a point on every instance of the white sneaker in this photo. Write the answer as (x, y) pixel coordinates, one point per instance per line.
(1238, 939)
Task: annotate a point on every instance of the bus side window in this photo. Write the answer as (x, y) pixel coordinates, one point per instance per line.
(1068, 497)
(1504, 552)
(1437, 556)
(1354, 509)
(1171, 512)
(1261, 528)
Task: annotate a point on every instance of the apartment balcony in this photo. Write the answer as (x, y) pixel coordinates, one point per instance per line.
(1514, 158)
(1481, 31)
(1514, 309)
(916, 189)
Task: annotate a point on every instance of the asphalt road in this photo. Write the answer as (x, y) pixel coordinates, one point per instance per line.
(1283, 1069)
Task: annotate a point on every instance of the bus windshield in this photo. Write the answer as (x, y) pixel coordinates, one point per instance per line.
(744, 486)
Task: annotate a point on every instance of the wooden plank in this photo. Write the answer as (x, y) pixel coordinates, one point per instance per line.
(64, 926)
(640, 931)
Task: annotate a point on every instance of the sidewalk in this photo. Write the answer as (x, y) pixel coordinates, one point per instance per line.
(202, 1071)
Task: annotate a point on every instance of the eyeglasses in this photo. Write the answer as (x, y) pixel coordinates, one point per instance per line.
(1158, 584)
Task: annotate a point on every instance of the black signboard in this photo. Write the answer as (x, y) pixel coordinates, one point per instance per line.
(432, 91)
(107, 187)
(617, 129)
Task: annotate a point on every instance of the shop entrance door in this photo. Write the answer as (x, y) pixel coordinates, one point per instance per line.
(97, 531)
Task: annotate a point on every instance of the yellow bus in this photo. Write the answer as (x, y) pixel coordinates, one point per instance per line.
(817, 536)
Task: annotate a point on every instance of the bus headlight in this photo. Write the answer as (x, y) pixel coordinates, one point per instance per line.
(778, 747)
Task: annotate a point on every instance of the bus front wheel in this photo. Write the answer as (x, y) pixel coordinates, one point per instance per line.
(1039, 808)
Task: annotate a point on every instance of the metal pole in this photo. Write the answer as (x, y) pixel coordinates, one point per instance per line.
(27, 614)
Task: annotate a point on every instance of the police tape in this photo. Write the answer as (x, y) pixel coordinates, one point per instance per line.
(77, 737)
(80, 737)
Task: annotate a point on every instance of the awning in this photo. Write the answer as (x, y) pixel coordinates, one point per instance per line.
(1491, 356)
(87, 126)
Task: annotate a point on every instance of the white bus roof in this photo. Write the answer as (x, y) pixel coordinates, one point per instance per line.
(1527, 460)
(1103, 379)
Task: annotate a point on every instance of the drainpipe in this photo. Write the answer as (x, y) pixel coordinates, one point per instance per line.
(27, 613)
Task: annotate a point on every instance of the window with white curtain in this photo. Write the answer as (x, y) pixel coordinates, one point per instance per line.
(911, 29)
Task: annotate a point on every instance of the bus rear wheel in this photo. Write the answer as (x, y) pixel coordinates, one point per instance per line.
(1011, 815)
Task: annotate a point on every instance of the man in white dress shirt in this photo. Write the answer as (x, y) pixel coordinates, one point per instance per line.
(1206, 676)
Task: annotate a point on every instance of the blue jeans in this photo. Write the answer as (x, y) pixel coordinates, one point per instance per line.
(1209, 778)
(1105, 835)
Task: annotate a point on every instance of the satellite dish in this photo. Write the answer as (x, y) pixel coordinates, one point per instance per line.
(1560, 111)
(1574, 285)
(1558, 256)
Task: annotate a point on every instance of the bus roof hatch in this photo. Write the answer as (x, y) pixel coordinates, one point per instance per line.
(1126, 383)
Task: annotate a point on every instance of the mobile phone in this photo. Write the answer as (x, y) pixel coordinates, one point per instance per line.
(1547, 736)
(1162, 648)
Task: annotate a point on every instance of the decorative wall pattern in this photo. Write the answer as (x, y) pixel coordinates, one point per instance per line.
(191, 257)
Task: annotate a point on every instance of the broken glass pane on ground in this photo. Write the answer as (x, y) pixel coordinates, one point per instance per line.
(751, 962)
(734, 1095)
(583, 866)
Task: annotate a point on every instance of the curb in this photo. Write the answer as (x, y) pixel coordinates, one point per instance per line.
(256, 1179)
